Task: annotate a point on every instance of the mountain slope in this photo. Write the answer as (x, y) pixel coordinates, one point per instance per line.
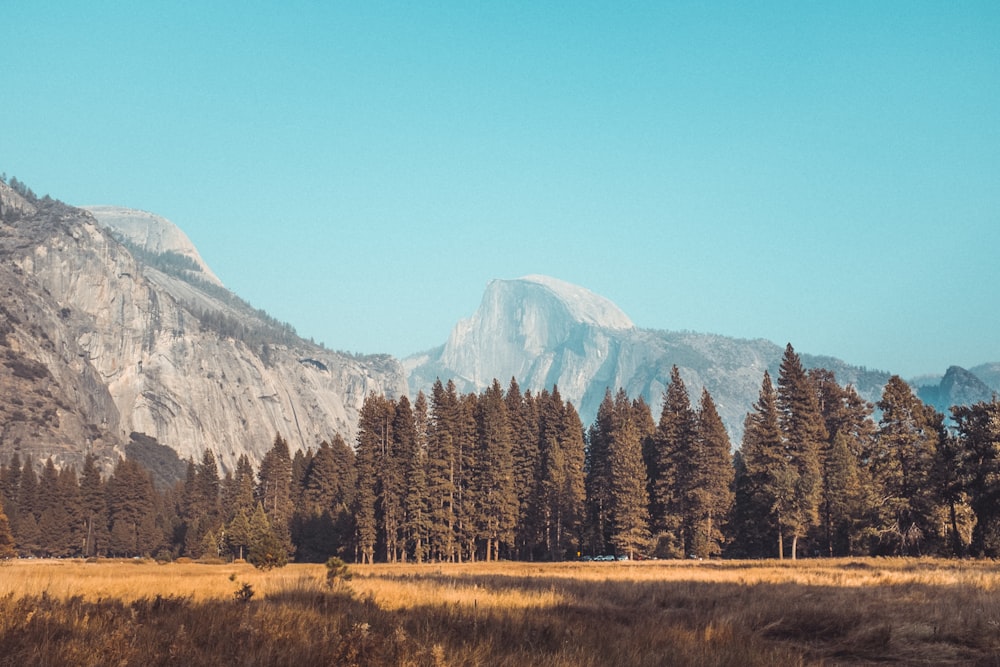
(154, 235)
(568, 336)
(123, 346)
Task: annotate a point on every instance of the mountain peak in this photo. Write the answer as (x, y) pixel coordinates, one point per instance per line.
(152, 233)
(583, 305)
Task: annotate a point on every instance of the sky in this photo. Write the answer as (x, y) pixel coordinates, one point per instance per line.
(820, 173)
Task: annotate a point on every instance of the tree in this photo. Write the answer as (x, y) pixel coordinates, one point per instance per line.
(373, 445)
(764, 481)
(846, 496)
(416, 501)
(442, 471)
(93, 508)
(274, 491)
(902, 465)
(629, 500)
(131, 506)
(669, 456)
(598, 476)
(804, 433)
(978, 430)
(267, 549)
(497, 504)
(709, 494)
(7, 549)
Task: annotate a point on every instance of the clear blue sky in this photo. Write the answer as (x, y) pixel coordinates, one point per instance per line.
(821, 173)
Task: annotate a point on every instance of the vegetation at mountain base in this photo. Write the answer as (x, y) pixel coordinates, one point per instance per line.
(512, 475)
(809, 612)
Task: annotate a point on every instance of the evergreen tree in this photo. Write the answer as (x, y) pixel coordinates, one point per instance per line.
(709, 491)
(902, 465)
(267, 549)
(10, 485)
(131, 509)
(442, 470)
(844, 497)
(598, 477)
(574, 495)
(274, 490)
(93, 509)
(764, 481)
(27, 534)
(978, 430)
(629, 516)
(238, 490)
(804, 434)
(239, 535)
(849, 416)
(522, 412)
(7, 546)
(416, 501)
(669, 455)
(373, 444)
(497, 503)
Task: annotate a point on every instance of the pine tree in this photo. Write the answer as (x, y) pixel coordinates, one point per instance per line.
(574, 496)
(902, 467)
(442, 469)
(629, 498)
(804, 434)
(131, 507)
(978, 431)
(274, 490)
(239, 535)
(497, 504)
(94, 508)
(373, 445)
(598, 477)
(764, 481)
(710, 494)
(416, 502)
(669, 455)
(844, 496)
(10, 484)
(267, 550)
(238, 491)
(7, 546)
(522, 411)
(843, 509)
(27, 534)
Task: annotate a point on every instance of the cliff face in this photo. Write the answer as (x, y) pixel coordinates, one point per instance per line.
(133, 348)
(546, 332)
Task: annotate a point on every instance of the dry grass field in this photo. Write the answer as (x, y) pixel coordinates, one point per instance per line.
(816, 612)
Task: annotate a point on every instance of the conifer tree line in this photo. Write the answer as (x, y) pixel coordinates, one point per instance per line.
(506, 474)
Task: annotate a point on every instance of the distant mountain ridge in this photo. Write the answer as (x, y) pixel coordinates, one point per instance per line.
(546, 332)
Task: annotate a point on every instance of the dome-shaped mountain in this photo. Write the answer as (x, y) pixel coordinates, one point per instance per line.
(545, 332)
(153, 234)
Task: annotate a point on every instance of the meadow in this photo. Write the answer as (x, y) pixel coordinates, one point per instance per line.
(809, 612)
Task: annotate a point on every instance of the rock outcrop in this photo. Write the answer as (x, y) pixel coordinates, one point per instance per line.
(546, 332)
(123, 347)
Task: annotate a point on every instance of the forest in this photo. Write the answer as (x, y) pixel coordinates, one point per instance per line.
(512, 475)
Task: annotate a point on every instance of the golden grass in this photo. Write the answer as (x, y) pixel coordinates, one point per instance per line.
(850, 611)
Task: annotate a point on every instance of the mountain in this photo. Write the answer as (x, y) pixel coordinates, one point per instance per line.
(153, 236)
(958, 387)
(116, 337)
(547, 332)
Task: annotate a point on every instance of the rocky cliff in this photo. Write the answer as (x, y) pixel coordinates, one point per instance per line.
(546, 332)
(121, 346)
